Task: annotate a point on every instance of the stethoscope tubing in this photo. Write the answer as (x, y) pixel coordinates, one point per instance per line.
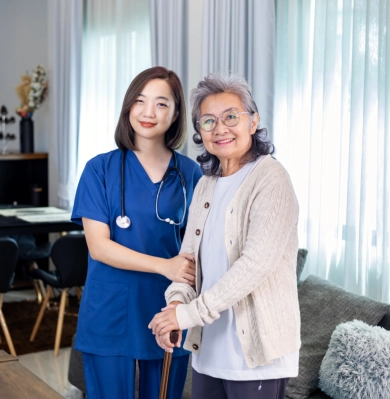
(123, 221)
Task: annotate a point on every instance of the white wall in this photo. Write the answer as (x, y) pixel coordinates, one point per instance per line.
(23, 33)
(23, 30)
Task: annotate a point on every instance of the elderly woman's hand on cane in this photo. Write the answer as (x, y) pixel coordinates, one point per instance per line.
(163, 323)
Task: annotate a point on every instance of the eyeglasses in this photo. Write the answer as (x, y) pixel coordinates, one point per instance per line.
(228, 118)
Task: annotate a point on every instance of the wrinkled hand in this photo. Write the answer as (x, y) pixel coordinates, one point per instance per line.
(180, 269)
(164, 341)
(163, 323)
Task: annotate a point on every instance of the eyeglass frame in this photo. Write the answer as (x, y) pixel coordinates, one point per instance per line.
(219, 117)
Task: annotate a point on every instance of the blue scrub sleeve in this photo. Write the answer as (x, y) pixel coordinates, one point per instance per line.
(91, 197)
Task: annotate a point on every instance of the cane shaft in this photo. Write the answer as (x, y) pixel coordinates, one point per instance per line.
(174, 336)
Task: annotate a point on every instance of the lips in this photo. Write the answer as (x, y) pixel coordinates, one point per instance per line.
(147, 124)
(224, 141)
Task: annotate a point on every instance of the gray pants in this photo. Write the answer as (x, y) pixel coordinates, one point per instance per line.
(206, 387)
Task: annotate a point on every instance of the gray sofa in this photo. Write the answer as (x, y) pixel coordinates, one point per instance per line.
(323, 306)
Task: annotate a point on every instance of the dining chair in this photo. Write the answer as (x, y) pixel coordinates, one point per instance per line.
(30, 253)
(8, 257)
(70, 258)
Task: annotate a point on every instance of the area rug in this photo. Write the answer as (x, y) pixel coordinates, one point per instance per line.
(21, 317)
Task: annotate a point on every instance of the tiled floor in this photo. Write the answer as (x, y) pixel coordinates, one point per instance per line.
(51, 369)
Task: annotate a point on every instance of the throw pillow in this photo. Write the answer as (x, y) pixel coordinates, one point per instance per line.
(324, 306)
(357, 363)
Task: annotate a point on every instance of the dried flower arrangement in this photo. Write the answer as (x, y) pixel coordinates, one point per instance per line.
(31, 92)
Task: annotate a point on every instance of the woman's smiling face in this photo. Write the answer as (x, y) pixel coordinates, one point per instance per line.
(153, 112)
(227, 143)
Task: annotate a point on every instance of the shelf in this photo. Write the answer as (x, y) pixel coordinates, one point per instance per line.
(19, 156)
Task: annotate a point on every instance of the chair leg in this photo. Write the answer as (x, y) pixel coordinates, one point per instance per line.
(38, 284)
(5, 328)
(37, 291)
(78, 293)
(60, 322)
(40, 315)
(42, 288)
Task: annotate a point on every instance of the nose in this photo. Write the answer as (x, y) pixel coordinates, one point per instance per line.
(220, 127)
(149, 110)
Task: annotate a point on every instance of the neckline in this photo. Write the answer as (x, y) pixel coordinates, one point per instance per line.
(141, 172)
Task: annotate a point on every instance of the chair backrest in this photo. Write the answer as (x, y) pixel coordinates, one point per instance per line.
(70, 257)
(9, 251)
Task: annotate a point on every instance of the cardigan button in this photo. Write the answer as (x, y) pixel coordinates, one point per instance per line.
(197, 232)
(195, 347)
(206, 205)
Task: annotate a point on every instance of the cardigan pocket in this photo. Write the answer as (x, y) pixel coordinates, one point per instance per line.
(107, 308)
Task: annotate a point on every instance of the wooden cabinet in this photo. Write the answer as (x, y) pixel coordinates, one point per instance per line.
(24, 179)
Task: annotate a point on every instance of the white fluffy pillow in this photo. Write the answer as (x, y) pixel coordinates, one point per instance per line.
(357, 363)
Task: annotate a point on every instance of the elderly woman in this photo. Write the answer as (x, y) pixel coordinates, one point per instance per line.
(242, 315)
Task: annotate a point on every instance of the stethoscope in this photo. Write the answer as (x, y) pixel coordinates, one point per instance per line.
(123, 221)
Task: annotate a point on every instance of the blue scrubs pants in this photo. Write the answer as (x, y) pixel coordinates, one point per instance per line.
(109, 377)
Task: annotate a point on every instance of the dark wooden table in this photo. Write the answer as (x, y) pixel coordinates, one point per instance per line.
(17, 382)
(11, 225)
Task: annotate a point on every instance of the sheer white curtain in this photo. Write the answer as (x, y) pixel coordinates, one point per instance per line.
(332, 132)
(65, 36)
(238, 37)
(116, 47)
(169, 37)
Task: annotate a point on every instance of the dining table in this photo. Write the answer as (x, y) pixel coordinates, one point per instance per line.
(35, 220)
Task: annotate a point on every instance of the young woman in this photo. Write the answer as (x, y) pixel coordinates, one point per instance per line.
(133, 203)
(243, 315)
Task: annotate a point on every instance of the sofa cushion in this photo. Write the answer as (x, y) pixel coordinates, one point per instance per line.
(357, 362)
(323, 306)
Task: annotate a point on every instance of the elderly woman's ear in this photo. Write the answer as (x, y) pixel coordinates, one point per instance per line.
(254, 122)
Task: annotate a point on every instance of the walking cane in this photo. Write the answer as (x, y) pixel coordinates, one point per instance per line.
(174, 336)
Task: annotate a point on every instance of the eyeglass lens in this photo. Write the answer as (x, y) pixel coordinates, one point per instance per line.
(228, 118)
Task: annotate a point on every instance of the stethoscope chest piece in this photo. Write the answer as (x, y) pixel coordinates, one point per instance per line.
(123, 222)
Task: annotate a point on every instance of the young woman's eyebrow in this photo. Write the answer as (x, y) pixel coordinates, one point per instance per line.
(157, 98)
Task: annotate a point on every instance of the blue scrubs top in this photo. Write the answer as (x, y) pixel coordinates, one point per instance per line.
(117, 305)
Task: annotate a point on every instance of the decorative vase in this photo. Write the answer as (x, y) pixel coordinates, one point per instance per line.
(26, 135)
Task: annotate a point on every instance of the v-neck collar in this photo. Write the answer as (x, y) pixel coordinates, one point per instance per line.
(141, 172)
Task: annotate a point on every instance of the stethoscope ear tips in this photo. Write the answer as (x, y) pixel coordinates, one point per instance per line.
(123, 222)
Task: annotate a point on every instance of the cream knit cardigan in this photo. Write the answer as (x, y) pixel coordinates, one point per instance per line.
(261, 286)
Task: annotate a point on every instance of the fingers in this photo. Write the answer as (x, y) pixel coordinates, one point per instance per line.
(164, 343)
(188, 256)
(164, 327)
(178, 343)
(161, 320)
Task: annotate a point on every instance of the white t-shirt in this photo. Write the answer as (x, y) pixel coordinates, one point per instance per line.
(221, 355)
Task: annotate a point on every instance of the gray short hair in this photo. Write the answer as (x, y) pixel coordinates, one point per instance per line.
(216, 83)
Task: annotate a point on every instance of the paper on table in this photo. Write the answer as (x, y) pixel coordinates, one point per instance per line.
(20, 212)
(54, 217)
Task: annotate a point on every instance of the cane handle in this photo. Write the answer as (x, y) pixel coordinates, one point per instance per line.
(174, 336)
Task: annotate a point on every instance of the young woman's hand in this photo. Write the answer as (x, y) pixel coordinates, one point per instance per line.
(180, 269)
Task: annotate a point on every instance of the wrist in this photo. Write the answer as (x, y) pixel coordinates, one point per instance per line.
(160, 266)
(175, 303)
